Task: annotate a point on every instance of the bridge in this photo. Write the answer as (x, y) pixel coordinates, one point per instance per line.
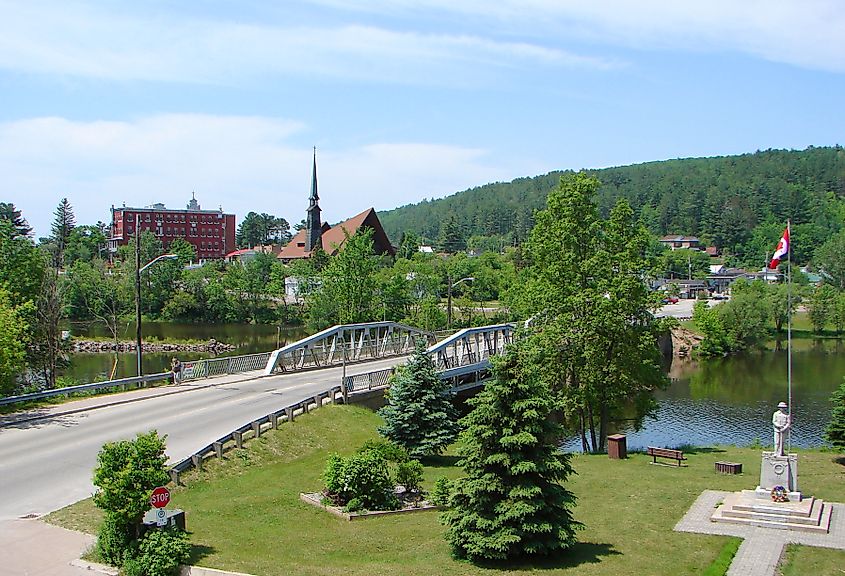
(48, 453)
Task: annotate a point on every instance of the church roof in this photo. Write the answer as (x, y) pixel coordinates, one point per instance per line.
(333, 237)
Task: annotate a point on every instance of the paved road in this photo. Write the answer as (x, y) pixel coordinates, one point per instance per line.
(47, 463)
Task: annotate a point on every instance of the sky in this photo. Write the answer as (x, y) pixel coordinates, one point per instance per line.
(109, 102)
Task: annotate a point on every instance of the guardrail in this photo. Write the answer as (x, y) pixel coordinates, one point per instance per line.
(368, 380)
(208, 367)
(254, 429)
(86, 387)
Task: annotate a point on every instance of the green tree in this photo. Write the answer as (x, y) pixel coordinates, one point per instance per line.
(258, 229)
(126, 473)
(451, 237)
(822, 304)
(746, 314)
(835, 431)
(47, 352)
(511, 502)
(85, 243)
(63, 225)
(684, 263)
(99, 293)
(13, 335)
(348, 284)
(13, 216)
(584, 290)
(709, 322)
(419, 415)
(409, 244)
(830, 258)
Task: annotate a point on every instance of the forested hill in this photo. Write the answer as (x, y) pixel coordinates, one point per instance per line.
(737, 203)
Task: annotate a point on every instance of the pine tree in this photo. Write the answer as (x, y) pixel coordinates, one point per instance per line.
(63, 225)
(419, 415)
(835, 432)
(13, 215)
(511, 503)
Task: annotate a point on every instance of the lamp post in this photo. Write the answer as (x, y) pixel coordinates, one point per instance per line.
(449, 298)
(138, 270)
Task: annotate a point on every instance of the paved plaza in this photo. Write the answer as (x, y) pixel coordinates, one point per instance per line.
(761, 548)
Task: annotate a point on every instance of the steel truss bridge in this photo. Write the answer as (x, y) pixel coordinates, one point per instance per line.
(346, 344)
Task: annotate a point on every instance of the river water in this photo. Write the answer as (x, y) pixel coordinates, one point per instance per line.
(717, 401)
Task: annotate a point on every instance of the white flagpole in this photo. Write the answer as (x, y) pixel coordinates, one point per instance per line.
(789, 333)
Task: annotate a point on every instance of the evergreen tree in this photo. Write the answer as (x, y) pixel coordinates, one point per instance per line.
(419, 415)
(835, 432)
(63, 225)
(11, 214)
(512, 503)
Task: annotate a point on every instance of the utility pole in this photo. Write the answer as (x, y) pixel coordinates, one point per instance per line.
(139, 370)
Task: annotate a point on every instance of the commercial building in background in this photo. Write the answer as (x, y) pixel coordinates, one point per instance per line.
(210, 231)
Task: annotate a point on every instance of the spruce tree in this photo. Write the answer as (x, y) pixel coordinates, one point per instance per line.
(511, 504)
(63, 225)
(419, 415)
(835, 432)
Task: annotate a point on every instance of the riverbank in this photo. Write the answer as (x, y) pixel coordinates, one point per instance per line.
(629, 508)
(98, 346)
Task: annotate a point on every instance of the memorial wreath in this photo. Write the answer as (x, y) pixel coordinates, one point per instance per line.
(779, 494)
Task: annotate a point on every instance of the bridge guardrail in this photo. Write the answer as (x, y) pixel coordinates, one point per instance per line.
(253, 429)
(208, 367)
(368, 380)
(67, 390)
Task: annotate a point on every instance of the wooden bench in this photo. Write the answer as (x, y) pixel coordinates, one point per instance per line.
(665, 453)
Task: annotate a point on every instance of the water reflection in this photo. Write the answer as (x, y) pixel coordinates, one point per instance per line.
(731, 400)
(247, 338)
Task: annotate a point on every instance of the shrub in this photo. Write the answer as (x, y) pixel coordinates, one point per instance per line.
(115, 540)
(410, 474)
(386, 449)
(364, 476)
(442, 492)
(160, 552)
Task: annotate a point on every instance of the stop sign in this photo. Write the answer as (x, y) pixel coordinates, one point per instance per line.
(160, 497)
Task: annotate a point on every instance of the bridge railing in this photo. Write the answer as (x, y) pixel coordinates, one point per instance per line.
(250, 430)
(347, 343)
(471, 345)
(93, 386)
(207, 367)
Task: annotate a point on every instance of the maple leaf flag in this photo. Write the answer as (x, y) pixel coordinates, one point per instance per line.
(781, 251)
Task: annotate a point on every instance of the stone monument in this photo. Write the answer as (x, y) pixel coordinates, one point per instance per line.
(777, 467)
(766, 507)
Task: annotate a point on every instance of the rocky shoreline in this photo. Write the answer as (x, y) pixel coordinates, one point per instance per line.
(97, 346)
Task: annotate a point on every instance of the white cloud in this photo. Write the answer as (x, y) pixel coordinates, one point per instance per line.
(805, 33)
(242, 163)
(91, 41)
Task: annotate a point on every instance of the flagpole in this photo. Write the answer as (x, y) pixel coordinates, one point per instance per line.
(789, 332)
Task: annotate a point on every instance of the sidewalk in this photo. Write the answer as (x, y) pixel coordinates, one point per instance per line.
(103, 400)
(35, 548)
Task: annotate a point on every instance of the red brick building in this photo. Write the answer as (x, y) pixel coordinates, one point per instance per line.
(210, 231)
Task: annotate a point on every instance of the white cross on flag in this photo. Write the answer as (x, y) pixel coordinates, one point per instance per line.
(781, 251)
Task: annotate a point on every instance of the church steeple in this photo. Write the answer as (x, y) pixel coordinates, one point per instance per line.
(313, 226)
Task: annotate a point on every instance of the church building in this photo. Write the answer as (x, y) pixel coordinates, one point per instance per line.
(319, 235)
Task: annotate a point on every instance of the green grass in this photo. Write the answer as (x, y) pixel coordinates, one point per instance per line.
(720, 565)
(245, 515)
(803, 560)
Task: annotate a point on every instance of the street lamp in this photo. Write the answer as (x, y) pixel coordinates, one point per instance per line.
(138, 270)
(449, 298)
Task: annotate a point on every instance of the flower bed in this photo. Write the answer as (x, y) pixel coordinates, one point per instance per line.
(316, 499)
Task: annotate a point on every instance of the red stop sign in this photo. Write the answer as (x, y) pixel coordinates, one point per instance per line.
(160, 497)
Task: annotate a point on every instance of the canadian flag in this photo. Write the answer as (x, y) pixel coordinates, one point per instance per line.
(781, 251)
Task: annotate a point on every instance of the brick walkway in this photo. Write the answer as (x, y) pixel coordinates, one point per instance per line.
(762, 548)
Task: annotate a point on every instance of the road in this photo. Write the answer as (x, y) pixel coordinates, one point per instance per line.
(46, 464)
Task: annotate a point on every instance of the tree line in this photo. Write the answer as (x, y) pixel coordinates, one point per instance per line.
(738, 204)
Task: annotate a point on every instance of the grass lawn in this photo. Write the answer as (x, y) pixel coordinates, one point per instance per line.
(245, 515)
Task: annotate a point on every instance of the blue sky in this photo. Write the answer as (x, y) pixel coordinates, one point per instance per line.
(142, 102)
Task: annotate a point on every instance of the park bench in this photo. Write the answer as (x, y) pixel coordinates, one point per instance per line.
(656, 453)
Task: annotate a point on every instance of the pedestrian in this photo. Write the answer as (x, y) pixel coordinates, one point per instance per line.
(176, 368)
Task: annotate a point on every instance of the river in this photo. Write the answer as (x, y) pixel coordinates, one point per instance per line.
(716, 401)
